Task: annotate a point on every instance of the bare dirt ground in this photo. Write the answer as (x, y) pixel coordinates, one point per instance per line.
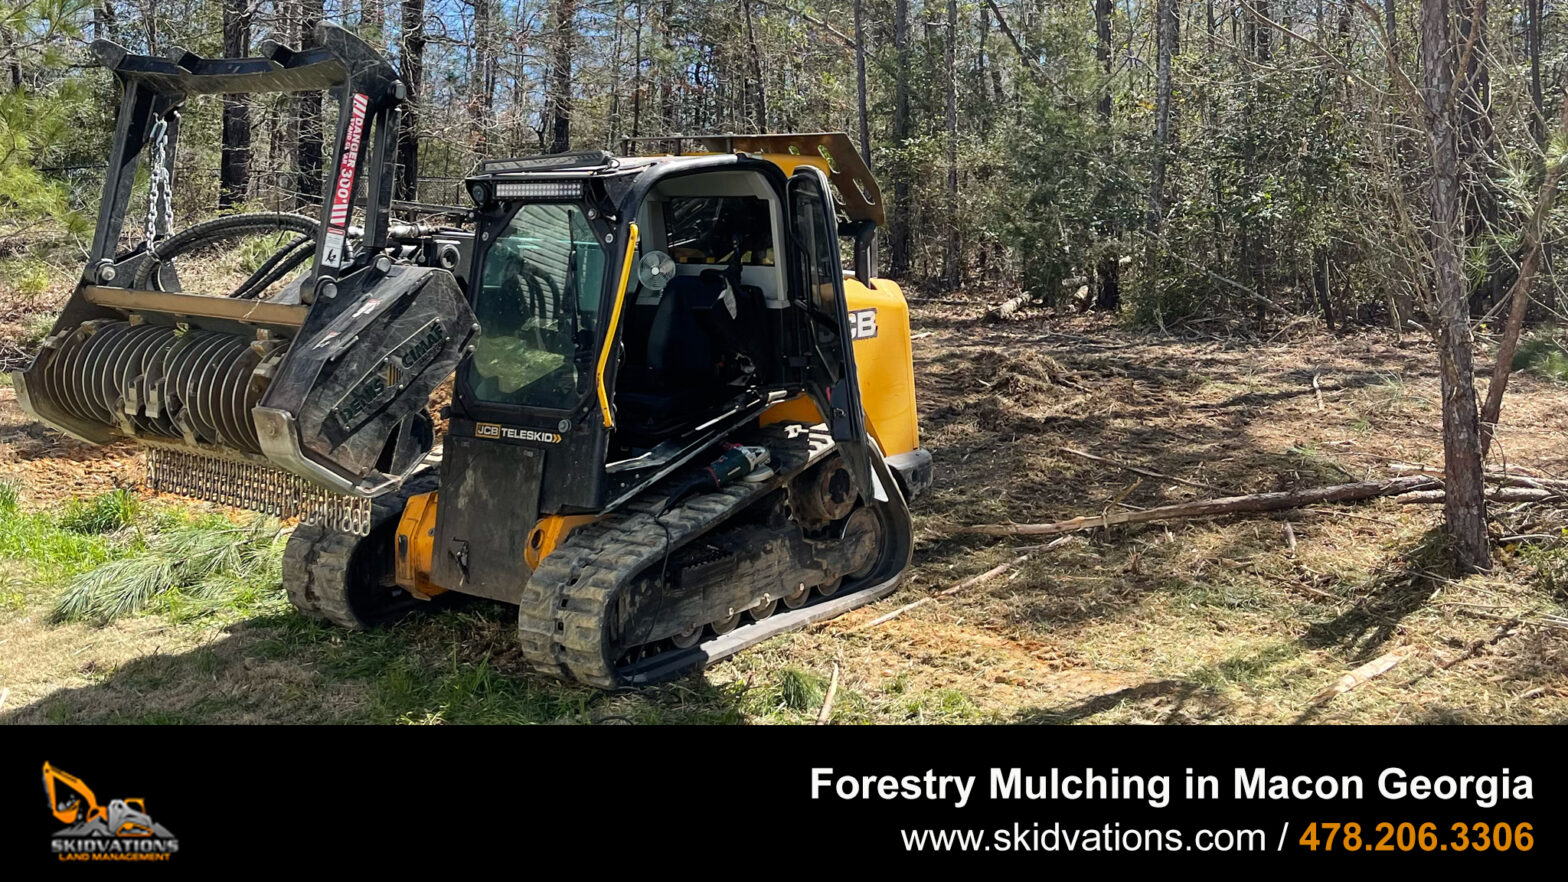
(1217, 620)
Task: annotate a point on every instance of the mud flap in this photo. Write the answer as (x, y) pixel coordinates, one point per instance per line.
(488, 506)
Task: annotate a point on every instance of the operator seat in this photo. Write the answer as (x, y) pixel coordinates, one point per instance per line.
(675, 369)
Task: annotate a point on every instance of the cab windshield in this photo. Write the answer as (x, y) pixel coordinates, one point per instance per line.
(538, 306)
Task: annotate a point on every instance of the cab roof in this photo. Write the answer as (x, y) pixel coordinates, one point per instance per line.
(833, 152)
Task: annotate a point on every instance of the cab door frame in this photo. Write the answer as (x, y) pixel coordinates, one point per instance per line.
(832, 380)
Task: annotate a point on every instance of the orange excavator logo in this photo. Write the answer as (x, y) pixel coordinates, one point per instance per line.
(73, 803)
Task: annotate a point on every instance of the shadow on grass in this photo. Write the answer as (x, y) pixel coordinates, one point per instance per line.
(1194, 698)
(457, 666)
(1399, 589)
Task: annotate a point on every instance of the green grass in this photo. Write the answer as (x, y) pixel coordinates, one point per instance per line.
(28, 277)
(105, 513)
(1543, 353)
(255, 251)
(50, 550)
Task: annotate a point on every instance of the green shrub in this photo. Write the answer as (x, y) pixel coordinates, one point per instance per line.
(1543, 353)
(104, 513)
(28, 278)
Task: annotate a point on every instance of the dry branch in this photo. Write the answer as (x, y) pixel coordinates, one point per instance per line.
(1513, 477)
(1519, 296)
(827, 702)
(1030, 62)
(966, 583)
(1494, 494)
(1256, 502)
(1374, 668)
(1147, 473)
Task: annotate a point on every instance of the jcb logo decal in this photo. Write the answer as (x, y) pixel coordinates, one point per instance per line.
(862, 324)
(513, 433)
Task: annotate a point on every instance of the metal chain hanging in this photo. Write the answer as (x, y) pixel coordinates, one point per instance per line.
(160, 184)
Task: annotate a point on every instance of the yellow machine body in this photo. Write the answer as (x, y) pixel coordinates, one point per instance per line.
(884, 361)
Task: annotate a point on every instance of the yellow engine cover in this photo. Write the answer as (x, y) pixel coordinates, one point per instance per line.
(885, 363)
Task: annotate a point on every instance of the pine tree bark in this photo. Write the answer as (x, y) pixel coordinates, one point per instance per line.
(1108, 283)
(559, 99)
(898, 224)
(234, 161)
(413, 69)
(308, 158)
(1464, 505)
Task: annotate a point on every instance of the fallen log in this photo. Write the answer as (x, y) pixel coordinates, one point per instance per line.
(1256, 502)
(1493, 494)
(1006, 308)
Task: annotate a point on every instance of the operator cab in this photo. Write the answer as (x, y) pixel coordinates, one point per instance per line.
(695, 327)
(696, 332)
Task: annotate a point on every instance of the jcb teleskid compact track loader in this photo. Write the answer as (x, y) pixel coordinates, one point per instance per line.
(679, 427)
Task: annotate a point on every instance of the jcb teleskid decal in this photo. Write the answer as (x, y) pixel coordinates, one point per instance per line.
(515, 433)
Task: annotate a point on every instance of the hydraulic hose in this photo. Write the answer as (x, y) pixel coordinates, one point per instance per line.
(215, 230)
(292, 256)
(264, 275)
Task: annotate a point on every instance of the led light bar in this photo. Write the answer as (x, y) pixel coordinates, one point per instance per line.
(539, 190)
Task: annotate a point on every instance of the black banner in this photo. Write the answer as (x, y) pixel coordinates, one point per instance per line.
(628, 799)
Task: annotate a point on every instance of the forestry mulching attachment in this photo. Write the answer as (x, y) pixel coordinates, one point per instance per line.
(679, 426)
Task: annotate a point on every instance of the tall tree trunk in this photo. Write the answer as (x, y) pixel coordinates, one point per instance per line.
(1532, 35)
(234, 162)
(103, 20)
(1108, 281)
(759, 95)
(669, 103)
(413, 69)
(637, 75)
(563, 28)
(1165, 37)
(861, 98)
(1464, 505)
(1391, 24)
(952, 265)
(308, 159)
(481, 97)
(898, 233)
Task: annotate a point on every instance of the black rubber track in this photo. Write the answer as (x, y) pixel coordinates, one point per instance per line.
(567, 603)
(337, 576)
